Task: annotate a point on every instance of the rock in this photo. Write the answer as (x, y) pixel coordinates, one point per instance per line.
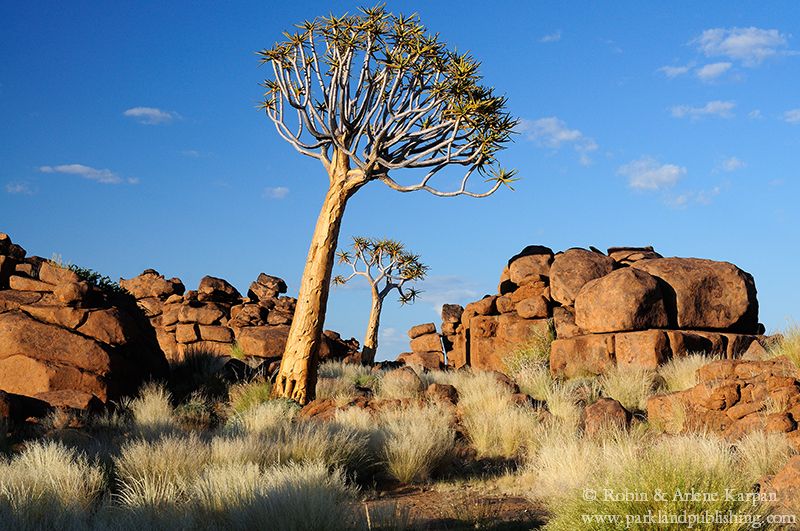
(222, 334)
(279, 316)
(629, 255)
(406, 377)
(28, 284)
(152, 284)
(206, 314)
(564, 322)
(537, 288)
(705, 294)
(572, 269)
(58, 315)
(443, 392)
(493, 338)
(218, 289)
(604, 414)
(625, 299)
(504, 304)
(451, 313)
(335, 348)
(72, 399)
(427, 360)
(54, 274)
(263, 341)
(505, 285)
(186, 333)
(319, 409)
(530, 264)
(533, 308)
(71, 293)
(785, 485)
(582, 355)
(506, 382)
(421, 329)
(645, 350)
(427, 343)
(266, 287)
(106, 326)
(485, 306)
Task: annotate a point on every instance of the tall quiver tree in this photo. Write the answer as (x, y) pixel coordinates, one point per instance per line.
(366, 95)
(386, 266)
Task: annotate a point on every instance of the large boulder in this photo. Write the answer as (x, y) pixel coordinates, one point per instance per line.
(152, 284)
(626, 299)
(705, 294)
(532, 263)
(572, 269)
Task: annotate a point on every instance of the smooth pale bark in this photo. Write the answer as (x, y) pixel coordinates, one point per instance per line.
(297, 377)
(371, 337)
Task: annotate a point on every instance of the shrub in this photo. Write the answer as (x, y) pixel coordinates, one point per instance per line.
(415, 441)
(152, 411)
(630, 386)
(244, 396)
(680, 374)
(48, 486)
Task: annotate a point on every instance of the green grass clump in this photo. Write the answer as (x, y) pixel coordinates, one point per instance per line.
(245, 396)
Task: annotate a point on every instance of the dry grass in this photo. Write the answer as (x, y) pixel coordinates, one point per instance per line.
(630, 386)
(398, 384)
(245, 396)
(760, 454)
(680, 374)
(152, 412)
(264, 417)
(48, 486)
(415, 440)
(788, 346)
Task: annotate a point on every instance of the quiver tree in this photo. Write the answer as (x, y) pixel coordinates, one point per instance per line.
(386, 266)
(367, 95)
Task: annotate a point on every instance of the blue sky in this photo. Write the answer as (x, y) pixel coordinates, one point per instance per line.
(130, 140)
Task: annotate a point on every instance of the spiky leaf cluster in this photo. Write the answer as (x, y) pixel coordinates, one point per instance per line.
(386, 264)
(382, 90)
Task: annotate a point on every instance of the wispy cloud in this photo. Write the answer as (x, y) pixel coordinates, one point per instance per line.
(19, 188)
(277, 192)
(440, 290)
(151, 115)
(647, 173)
(755, 114)
(712, 108)
(698, 197)
(103, 176)
(732, 164)
(750, 46)
(792, 116)
(712, 71)
(551, 37)
(674, 71)
(552, 132)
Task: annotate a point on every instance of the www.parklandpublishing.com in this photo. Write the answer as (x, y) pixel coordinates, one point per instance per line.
(708, 518)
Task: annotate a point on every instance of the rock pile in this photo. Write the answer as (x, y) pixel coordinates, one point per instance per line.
(629, 306)
(426, 347)
(216, 319)
(733, 398)
(64, 340)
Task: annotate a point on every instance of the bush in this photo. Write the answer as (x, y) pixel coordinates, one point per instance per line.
(680, 374)
(630, 386)
(415, 441)
(245, 396)
(151, 412)
(48, 486)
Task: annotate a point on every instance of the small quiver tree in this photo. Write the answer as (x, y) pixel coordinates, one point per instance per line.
(368, 95)
(386, 266)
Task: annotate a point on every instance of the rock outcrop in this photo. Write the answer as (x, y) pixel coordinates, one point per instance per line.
(66, 341)
(426, 347)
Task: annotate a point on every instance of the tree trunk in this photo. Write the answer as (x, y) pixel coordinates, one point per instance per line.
(297, 377)
(371, 337)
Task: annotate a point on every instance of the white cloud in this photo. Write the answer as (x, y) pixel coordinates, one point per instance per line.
(440, 290)
(104, 176)
(712, 71)
(647, 173)
(750, 45)
(674, 71)
(792, 116)
(732, 164)
(19, 188)
(553, 132)
(151, 115)
(700, 197)
(551, 37)
(278, 192)
(712, 108)
(755, 114)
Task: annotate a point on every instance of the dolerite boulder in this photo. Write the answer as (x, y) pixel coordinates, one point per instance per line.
(626, 299)
(705, 294)
(91, 347)
(572, 269)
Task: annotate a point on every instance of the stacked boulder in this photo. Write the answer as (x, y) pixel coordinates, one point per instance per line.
(216, 319)
(733, 398)
(629, 306)
(426, 347)
(64, 340)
